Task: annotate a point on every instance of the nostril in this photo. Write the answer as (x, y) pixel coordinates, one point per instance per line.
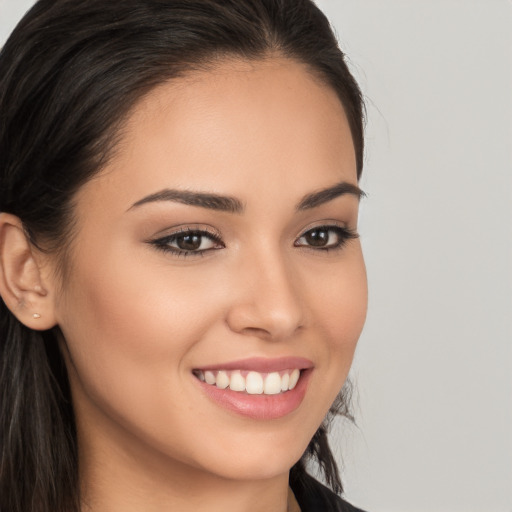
(257, 332)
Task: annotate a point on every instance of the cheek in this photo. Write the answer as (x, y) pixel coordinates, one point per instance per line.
(121, 323)
(134, 323)
(340, 313)
(130, 330)
(131, 306)
(341, 303)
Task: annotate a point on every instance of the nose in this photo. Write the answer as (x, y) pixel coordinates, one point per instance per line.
(266, 302)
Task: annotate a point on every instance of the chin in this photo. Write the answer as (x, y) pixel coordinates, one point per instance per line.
(242, 469)
(257, 460)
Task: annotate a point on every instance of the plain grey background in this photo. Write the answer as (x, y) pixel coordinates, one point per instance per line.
(434, 366)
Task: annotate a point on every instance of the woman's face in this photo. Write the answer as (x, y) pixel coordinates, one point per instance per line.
(217, 244)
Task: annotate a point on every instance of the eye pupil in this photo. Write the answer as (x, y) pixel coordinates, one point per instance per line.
(189, 242)
(317, 237)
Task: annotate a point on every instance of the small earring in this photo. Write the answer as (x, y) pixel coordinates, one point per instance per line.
(36, 316)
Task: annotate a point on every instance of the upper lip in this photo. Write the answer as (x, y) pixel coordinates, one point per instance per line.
(262, 364)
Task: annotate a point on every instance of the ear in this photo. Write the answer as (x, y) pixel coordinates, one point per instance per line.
(22, 280)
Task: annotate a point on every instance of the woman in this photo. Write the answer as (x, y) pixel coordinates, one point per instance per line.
(182, 283)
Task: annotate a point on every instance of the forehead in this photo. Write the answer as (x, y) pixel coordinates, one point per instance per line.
(232, 128)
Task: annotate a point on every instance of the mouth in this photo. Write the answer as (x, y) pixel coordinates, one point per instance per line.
(257, 388)
(251, 382)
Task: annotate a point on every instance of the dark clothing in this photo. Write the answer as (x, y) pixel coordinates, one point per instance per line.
(312, 496)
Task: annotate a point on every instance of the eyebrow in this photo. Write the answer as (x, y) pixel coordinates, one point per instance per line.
(200, 199)
(328, 194)
(233, 205)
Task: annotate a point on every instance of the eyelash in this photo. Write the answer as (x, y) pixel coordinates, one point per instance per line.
(343, 234)
(163, 243)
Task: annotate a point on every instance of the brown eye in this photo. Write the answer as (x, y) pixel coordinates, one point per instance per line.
(317, 237)
(326, 237)
(189, 242)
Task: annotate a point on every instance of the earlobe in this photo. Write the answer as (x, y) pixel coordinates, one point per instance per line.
(21, 277)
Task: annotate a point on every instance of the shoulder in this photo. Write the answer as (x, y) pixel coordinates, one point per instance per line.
(312, 496)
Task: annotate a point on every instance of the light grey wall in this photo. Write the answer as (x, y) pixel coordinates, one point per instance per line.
(434, 365)
(11, 11)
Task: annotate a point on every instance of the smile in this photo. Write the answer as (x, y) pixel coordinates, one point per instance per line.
(251, 382)
(257, 388)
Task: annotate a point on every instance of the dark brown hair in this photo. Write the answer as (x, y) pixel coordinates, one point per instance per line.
(69, 75)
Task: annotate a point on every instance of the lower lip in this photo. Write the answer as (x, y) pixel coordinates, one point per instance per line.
(259, 407)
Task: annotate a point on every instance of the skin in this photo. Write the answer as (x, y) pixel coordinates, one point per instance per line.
(136, 320)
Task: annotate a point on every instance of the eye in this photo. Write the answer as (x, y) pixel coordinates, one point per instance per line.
(187, 242)
(326, 237)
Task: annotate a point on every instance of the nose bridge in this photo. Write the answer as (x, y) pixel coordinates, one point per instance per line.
(269, 302)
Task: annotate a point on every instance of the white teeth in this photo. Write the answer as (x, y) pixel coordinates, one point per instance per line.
(237, 382)
(285, 382)
(272, 384)
(209, 377)
(222, 380)
(294, 378)
(254, 383)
